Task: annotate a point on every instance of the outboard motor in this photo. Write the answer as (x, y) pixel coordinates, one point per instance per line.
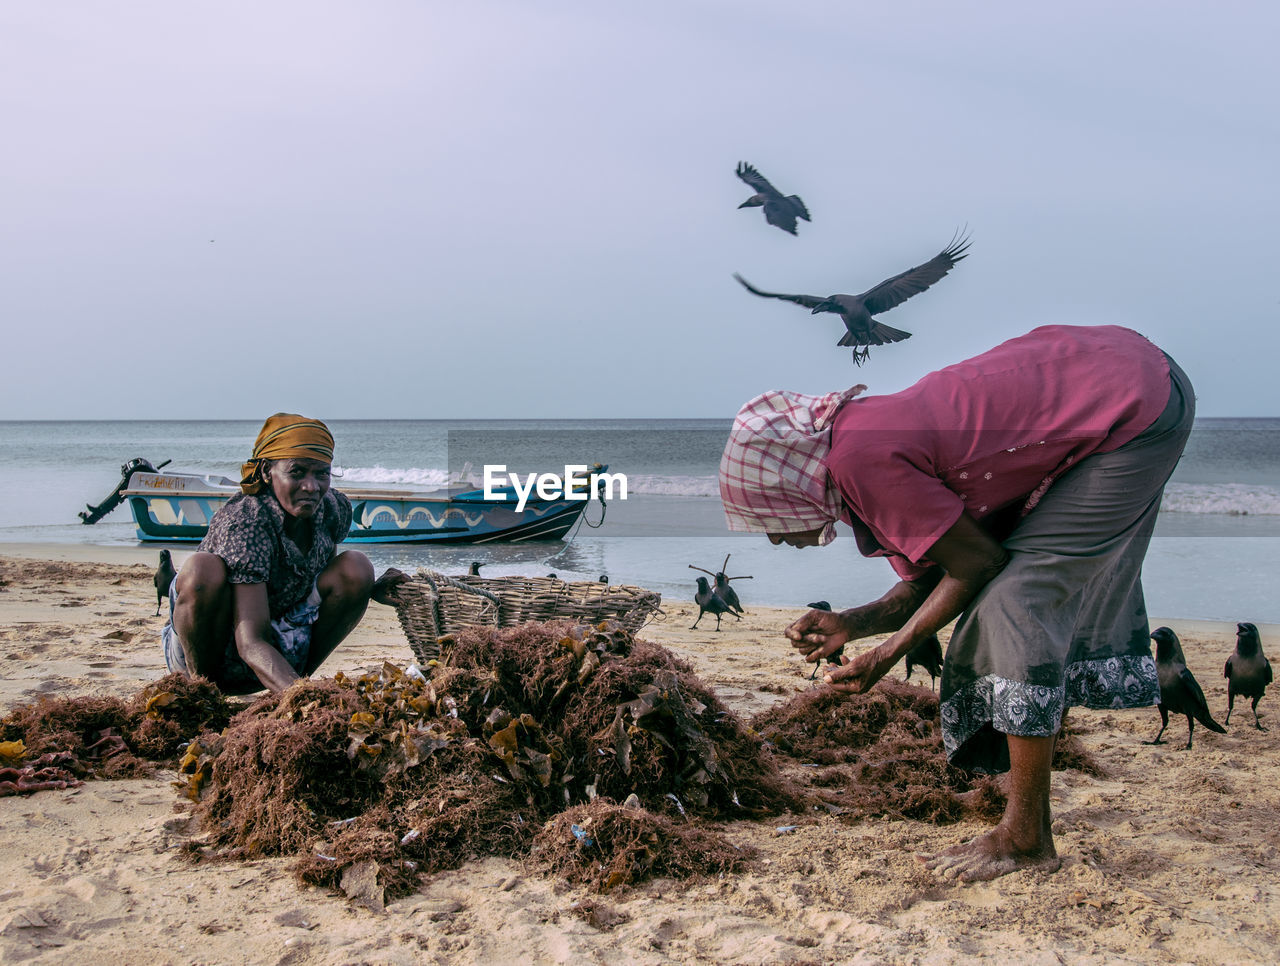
(95, 513)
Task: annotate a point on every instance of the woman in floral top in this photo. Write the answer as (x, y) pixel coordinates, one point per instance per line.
(1016, 491)
(267, 597)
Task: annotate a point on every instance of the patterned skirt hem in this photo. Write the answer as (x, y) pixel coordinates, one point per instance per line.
(1035, 711)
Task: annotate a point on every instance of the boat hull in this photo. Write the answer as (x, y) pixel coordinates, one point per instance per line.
(178, 508)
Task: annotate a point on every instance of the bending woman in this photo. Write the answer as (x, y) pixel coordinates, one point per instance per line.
(267, 597)
(1016, 491)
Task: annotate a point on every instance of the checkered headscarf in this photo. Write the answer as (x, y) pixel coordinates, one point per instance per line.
(772, 478)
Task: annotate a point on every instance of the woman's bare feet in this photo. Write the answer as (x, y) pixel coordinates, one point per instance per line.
(993, 855)
(1024, 837)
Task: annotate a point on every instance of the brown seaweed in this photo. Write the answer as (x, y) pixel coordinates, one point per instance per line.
(881, 754)
(105, 737)
(603, 846)
(409, 776)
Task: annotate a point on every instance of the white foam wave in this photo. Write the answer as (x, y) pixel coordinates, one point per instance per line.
(653, 485)
(424, 478)
(412, 476)
(1234, 499)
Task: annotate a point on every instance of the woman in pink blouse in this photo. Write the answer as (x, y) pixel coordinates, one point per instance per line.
(1016, 491)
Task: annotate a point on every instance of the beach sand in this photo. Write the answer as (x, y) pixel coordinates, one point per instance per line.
(1170, 858)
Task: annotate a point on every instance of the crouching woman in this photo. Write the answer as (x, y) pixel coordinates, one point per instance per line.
(267, 597)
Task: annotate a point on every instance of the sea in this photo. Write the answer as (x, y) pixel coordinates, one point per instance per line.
(1215, 555)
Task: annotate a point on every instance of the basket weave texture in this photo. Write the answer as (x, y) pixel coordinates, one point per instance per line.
(432, 605)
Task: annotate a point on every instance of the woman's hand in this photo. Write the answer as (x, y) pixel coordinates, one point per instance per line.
(384, 588)
(821, 633)
(857, 676)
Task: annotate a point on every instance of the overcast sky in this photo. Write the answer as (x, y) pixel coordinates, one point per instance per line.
(499, 209)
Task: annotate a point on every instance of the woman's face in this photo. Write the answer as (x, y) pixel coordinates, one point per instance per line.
(299, 485)
(801, 538)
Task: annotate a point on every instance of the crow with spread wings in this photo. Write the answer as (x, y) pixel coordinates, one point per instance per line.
(857, 310)
(779, 211)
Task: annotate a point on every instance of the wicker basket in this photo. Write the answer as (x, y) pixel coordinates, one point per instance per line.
(433, 604)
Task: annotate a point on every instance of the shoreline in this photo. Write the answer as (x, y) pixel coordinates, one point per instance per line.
(102, 554)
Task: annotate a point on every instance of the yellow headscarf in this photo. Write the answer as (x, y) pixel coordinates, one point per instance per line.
(286, 436)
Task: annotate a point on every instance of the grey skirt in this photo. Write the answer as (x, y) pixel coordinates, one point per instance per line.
(1065, 622)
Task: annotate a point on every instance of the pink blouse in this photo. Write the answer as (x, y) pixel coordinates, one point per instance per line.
(989, 435)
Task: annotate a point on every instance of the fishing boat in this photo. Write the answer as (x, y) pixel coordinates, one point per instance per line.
(176, 506)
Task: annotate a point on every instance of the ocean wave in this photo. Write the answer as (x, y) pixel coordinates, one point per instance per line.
(412, 476)
(637, 483)
(652, 485)
(1234, 499)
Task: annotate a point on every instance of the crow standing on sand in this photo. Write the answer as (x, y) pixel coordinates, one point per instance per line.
(474, 569)
(709, 602)
(779, 211)
(728, 594)
(164, 577)
(834, 656)
(1179, 690)
(857, 310)
(1248, 672)
(928, 655)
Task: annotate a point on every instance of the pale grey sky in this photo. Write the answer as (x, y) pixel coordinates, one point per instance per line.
(498, 209)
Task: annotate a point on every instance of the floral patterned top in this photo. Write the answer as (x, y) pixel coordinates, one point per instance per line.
(248, 534)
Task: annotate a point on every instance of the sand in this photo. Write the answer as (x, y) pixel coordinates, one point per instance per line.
(1170, 858)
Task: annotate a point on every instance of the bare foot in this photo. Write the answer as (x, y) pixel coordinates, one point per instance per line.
(991, 856)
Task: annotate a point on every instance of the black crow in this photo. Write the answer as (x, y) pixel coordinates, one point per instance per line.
(1248, 672)
(728, 594)
(164, 577)
(857, 310)
(1179, 690)
(779, 211)
(834, 656)
(709, 602)
(928, 655)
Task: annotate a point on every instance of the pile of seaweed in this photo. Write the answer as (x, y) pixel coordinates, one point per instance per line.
(599, 757)
(59, 742)
(1069, 753)
(881, 754)
(398, 775)
(640, 844)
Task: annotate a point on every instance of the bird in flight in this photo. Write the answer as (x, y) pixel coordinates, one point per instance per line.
(779, 210)
(857, 310)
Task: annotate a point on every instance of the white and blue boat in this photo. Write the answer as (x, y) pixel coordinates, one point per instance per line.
(175, 506)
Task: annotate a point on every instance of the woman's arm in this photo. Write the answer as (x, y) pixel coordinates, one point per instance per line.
(251, 617)
(970, 558)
